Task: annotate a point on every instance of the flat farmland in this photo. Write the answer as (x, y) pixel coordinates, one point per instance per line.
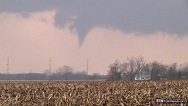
(94, 93)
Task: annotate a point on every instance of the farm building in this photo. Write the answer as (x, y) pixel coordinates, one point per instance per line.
(143, 76)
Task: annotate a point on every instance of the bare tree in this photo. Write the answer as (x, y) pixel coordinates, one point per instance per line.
(47, 73)
(115, 72)
(128, 69)
(158, 71)
(65, 72)
(133, 66)
(184, 67)
(183, 71)
(172, 69)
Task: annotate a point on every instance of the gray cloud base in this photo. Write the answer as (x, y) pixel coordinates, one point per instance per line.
(145, 16)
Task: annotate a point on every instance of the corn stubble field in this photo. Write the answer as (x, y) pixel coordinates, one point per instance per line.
(91, 93)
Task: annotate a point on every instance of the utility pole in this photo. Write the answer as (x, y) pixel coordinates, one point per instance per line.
(87, 67)
(50, 69)
(7, 68)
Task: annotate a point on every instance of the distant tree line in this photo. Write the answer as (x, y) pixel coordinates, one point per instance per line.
(127, 70)
(62, 73)
(68, 73)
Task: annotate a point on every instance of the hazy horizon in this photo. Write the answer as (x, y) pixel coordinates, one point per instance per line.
(70, 32)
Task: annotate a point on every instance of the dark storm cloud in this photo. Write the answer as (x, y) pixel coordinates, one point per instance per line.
(145, 16)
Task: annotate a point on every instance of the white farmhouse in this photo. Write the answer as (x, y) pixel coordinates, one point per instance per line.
(143, 76)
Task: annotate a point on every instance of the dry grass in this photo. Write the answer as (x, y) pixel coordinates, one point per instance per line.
(97, 93)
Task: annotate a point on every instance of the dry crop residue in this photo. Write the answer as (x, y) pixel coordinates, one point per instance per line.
(91, 93)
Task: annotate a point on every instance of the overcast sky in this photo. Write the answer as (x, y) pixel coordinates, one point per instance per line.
(70, 31)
